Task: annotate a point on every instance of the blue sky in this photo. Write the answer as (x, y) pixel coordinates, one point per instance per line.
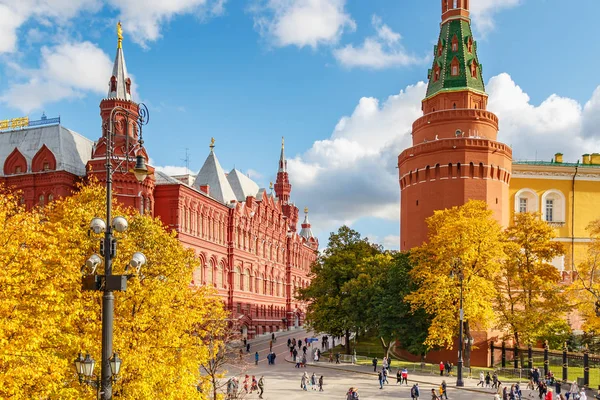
(338, 78)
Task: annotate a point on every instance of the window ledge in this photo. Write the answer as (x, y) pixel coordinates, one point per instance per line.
(556, 224)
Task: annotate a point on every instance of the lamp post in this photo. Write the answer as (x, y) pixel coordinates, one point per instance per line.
(458, 270)
(108, 282)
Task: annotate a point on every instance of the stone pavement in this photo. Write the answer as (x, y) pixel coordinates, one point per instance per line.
(282, 381)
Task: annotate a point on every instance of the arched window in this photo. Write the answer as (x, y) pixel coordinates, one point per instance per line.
(526, 200)
(236, 279)
(41, 200)
(553, 206)
(458, 173)
(480, 170)
(209, 273)
(247, 280)
(455, 43)
(450, 171)
(471, 170)
(437, 171)
(427, 176)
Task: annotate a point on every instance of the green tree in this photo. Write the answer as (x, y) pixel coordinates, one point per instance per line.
(530, 302)
(467, 240)
(330, 305)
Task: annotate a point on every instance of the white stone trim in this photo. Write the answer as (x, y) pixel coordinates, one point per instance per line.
(562, 205)
(526, 190)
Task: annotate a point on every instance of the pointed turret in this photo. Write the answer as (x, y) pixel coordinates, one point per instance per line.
(212, 175)
(306, 232)
(283, 188)
(119, 85)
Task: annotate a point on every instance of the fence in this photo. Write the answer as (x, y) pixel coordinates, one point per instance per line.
(564, 365)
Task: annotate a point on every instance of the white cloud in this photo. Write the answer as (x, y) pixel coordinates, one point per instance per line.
(14, 13)
(353, 175)
(142, 19)
(483, 12)
(254, 175)
(172, 170)
(381, 51)
(301, 22)
(67, 71)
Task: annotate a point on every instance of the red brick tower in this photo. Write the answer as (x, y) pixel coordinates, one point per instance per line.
(455, 156)
(126, 188)
(283, 188)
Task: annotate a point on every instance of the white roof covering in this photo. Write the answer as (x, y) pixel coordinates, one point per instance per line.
(212, 174)
(242, 185)
(164, 179)
(71, 150)
(119, 72)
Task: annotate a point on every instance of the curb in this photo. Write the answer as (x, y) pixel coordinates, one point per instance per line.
(374, 374)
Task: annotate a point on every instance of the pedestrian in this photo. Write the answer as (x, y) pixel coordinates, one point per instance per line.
(443, 391)
(495, 380)
(304, 349)
(248, 348)
(316, 356)
(488, 379)
(230, 388)
(261, 387)
(557, 387)
(303, 380)
(256, 358)
(304, 360)
(385, 374)
(434, 395)
(330, 357)
(505, 393)
(442, 367)
(289, 342)
(415, 392)
(380, 377)
(273, 357)
(384, 363)
(299, 343)
(241, 354)
(399, 376)
(321, 383)
(270, 345)
(246, 383)
(582, 395)
(374, 362)
(254, 385)
(273, 337)
(404, 376)
(337, 358)
(295, 354)
(481, 378)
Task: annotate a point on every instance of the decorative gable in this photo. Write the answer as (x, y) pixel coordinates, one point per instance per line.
(15, 163)
(44, 160)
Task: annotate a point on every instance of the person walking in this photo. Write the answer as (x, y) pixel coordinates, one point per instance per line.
(414, 391)
(488, 379)
(434, 395)
(256, 358)
(495, 381)
(304, 360)
(313, 381)
(273, 337)
(261, 387)
(385, 374)
(380, 377)
(273, 357)
(330, 357)
(374, 362)
(295, 353)
(481, 378)
(248, 348)
(254, 384)
(404, 376)
(337, 358)
(289, 342)
(246, 378)
(442, 368)
(399, 376)
(443, 391)
(321, 383)
(303, 381)
(270, 345)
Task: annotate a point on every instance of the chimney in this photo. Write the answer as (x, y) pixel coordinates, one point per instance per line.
(595, 158)
(205, 189)
(558, 158)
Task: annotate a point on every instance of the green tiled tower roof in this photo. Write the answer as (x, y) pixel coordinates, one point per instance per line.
(463, 81)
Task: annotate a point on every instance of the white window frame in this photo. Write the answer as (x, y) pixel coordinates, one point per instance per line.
(559, 214)
(529, 194)
(523, 204)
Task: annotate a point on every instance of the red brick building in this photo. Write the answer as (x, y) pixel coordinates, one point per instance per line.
(246, 237)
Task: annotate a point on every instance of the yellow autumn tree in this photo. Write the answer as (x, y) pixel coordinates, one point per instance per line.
(157, 320)
(530, 299)
(467, 239)
(585, 290)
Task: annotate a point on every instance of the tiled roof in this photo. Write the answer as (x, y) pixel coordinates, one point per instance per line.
(464, 80)
(242, 185)
(71, 150)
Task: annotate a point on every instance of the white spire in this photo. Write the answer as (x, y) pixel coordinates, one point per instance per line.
(212, 174)
(306, 232)
(282, 160)
(119, 85)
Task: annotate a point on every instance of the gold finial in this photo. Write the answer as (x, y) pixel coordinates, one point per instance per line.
(282, 142)
(305, 210)
(119, 35)
(271, 185)
(212, 143)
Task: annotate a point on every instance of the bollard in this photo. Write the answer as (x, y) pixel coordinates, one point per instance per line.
(586, 367)
(546, 358)
(503, 355)
(529, 356)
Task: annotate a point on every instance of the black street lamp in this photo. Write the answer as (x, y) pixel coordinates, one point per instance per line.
(108, 282)
(457, 269)
(85, 371)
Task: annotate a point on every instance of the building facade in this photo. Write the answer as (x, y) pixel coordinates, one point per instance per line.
(246, 237)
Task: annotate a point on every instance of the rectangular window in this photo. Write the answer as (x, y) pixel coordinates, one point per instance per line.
(454, 70)
(549, 210)
(522, 205)
(239, 308)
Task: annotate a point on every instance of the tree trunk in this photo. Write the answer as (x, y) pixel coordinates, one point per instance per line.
(388, 347)
(348, 341)
(521, 355)
(214, 385)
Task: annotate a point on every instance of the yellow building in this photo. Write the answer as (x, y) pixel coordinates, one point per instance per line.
(567, 195)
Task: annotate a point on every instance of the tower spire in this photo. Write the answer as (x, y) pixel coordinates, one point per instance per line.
(282, 184)
(282, 160)
(119, 86)
(306, 231)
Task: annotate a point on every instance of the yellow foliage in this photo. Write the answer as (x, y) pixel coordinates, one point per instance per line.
(586, 287)
(46, 319)
(466, 238)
